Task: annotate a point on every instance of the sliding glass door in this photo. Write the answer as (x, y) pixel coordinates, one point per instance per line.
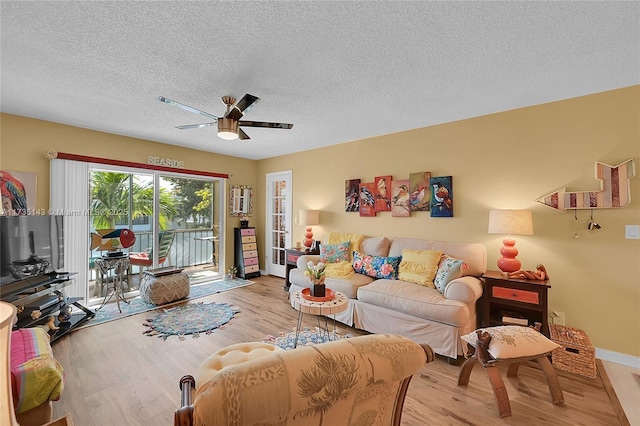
(175, 220)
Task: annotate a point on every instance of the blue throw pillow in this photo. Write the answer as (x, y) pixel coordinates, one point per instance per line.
(334, 253)
(448, 270)
(376, 266)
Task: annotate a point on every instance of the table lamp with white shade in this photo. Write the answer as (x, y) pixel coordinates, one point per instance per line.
(309, 218)
(510, 222)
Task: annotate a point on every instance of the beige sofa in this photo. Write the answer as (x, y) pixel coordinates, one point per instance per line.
(420, 313)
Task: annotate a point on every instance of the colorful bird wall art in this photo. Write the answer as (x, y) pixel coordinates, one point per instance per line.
(442, 199)
(420, 192)
(400, 197)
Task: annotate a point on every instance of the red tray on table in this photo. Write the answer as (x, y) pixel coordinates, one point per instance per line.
(329, 295)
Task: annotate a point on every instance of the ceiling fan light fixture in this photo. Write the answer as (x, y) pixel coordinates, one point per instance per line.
(228, 128)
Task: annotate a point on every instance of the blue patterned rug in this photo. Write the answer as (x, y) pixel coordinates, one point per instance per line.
(136, 305)
(306, 337)
(191, 319)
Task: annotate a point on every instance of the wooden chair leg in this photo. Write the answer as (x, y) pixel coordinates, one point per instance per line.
(552, 380)
(513, 369)
(499, 391)
(465, 371)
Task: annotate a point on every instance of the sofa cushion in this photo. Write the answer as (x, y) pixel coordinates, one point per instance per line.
(411, 299)
(376, 266)
(419, 266)
(449, 269)
(334, 253)
(474, 254)
(375, 246)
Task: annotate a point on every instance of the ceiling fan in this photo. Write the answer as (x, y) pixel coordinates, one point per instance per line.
(229, 124)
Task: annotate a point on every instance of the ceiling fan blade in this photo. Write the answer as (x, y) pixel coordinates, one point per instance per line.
(242, 106)
(266, 124)
(242, 135)
(186, 107)
(246, 102)
(195, 126)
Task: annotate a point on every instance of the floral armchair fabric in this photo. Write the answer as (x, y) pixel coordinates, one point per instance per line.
(356, 381)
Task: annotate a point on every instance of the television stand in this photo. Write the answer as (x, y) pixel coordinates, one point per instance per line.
(44, 294)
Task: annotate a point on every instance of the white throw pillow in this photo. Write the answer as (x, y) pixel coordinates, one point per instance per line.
(513, 341)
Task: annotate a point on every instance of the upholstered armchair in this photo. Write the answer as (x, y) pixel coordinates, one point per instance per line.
(361, 380)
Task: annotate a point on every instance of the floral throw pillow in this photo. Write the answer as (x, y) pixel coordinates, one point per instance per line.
(376, 266)
(448, 270)
(334, 253)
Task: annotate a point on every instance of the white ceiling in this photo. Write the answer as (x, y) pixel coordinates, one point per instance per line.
(339, 71)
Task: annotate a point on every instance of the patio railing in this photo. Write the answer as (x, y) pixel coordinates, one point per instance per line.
(191, 247)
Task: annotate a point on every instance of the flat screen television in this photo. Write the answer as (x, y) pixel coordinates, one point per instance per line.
(30, 246)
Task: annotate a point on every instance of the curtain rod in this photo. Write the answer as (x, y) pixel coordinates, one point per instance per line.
(87, 159)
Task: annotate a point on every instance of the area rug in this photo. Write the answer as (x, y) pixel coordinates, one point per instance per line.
(136, 305)
(190, 319)
(307, 337)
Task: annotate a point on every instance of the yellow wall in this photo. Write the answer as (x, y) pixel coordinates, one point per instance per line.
(506, 161)
(500, 161)
(23, 142)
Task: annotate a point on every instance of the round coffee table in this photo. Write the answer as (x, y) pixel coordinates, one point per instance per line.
(331, 307)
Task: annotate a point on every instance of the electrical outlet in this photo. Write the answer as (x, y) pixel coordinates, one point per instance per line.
(632, 232)
(557, 318)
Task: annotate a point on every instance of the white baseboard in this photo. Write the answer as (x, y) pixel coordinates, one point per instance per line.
(618, 358)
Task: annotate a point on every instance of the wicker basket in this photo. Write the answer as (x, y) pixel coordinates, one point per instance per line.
(576, 354)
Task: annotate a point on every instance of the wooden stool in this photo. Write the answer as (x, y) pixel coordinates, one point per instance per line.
(497, 384)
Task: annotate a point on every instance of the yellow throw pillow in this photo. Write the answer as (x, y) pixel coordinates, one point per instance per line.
(419, 266)
(339, 270)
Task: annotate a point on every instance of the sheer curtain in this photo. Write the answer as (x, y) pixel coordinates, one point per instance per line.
(69, 196)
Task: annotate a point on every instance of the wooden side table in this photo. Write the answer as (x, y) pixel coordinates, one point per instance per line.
(523, 299)
(331, 307)
(291, 257)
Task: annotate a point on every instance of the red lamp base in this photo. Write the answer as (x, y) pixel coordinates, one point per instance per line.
(508, 261)
(308, 238)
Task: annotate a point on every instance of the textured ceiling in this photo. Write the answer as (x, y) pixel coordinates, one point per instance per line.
(339, 71)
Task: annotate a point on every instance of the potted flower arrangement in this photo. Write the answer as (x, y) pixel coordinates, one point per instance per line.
(232, 272)
(315, 272)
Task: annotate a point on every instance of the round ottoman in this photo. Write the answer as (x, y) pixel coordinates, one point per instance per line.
(164, 289)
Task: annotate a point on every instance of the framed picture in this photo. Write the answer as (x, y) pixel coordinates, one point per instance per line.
(400, 198)
(18, 192)
(382, 193)
(367, 199)
(420, 190)
(442, 196)
(351, 195)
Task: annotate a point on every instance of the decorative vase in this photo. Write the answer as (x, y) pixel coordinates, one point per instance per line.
(317, 288)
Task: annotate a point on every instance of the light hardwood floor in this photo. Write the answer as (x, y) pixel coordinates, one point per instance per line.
(116, 375)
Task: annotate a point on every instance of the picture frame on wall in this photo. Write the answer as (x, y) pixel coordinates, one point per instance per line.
(382, 193)
(240, 200)
(420, 190)
(352, 195)
(442, 196)
(367, 199)
(18, 192)
(400, 198)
